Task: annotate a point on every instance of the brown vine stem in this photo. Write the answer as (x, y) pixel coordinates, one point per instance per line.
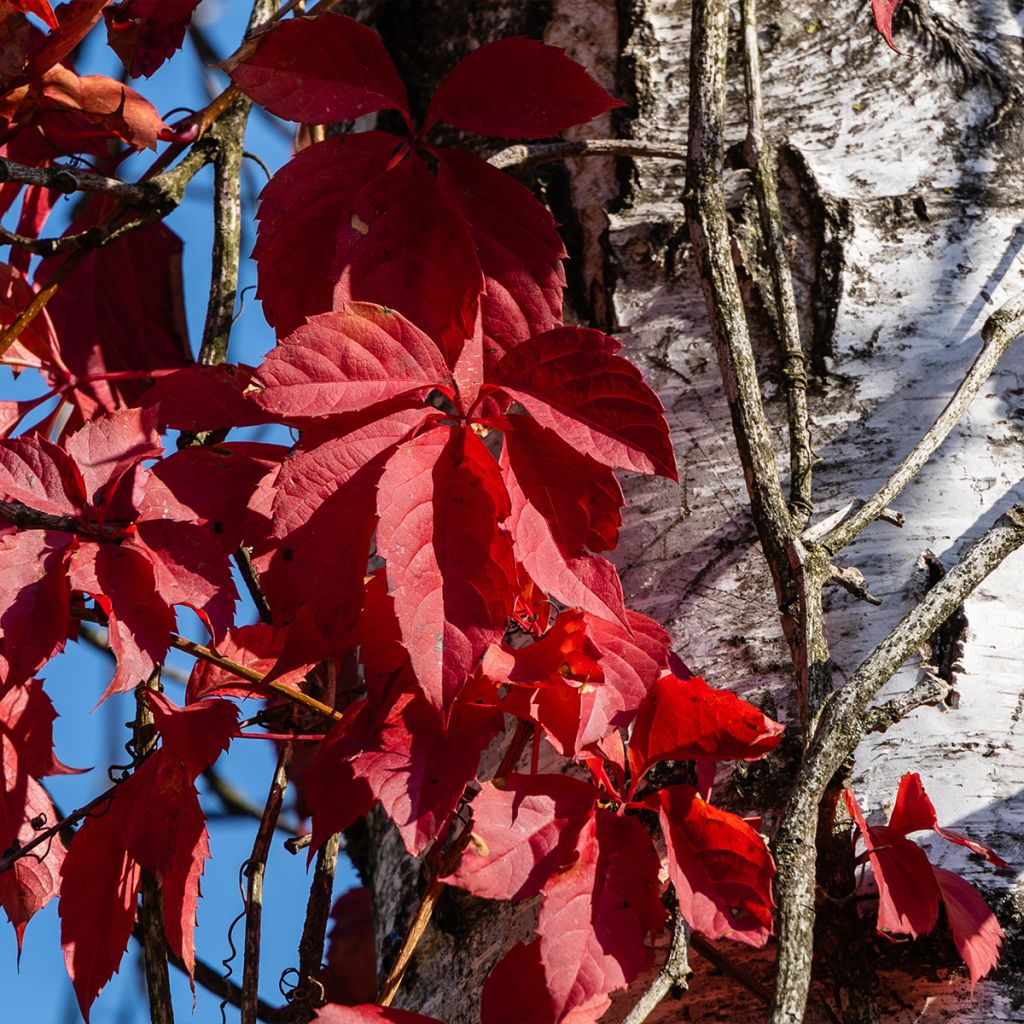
(840, 729)
(151, 919)
(255, 870)
(761, 157)
(674, 974)
(309, 991)
(1000, 330)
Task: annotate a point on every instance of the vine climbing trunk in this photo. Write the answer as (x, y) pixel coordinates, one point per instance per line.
(901, 202)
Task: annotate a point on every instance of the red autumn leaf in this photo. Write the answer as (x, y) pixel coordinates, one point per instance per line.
(882, 11)
(344, 72)
(209, 485)
(306, 211)
(408, 248)
(369, 1014)
(33, 880)
(976, 932)
(908, 895)
(26, 754)
(99, 882)
(121, 310)
(720, 867)
(518, 88)
(632, 663)
(349, 975)
(191, 568)
(449, 564)
(572, 382)
(74, 19)
(105, 102)
(144, 33)
(37, 344)
(35, 607)
(121, 580)
(687, 720)
(518, 246)
(913, 812)
(564, 504)
(106, 448)
(592, 930)
(347, 361)
(525, 831)
(40, 8)
(195, 735)
(197, 398)
(39, 474)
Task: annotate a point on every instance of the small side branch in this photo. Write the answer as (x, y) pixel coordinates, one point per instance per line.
(523, 157)
(674, 974)
(255, 869)
(68, 180)
(1001, 329)
(841, 728)
(309, 992)
(761, 158)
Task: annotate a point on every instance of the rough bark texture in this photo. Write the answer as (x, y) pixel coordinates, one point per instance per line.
(901, 187)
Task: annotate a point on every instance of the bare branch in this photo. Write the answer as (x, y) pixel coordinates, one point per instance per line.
(1001, 329)
(67, 180)
(255, 869)
(674, 974)
(761, 158)
(523, 156)
(842, 726)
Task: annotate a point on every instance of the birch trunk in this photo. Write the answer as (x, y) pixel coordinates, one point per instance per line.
(900, 179)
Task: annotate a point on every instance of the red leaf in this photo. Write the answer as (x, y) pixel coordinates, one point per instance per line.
(198, 398)
(255, 646)
(418, 770)
(449, 563)
(35, 612)
(317, 70)
(882, 11)
(180, 883)
(349, 975)
(105, 448)
(210, 485)
(122, 582)
(518, 88)
(913, 812)
(908, 894)
(144, 33)
(976, 932)
(563, 503)
(720, 867)
(191, 568)
(26, 728)
(74, 18)
(408, 248)
(348, 361)
(306, 210)
(592, 928)
(105, 102)
(37, 344)
(121, 310)
(368, 1014)
(99, 882)
(572, 382)
(195, 735)
(518, 246)
(40, 8)
(32, 881)
(525, 831)
(41, 475)
(631, 662)
(687, 720)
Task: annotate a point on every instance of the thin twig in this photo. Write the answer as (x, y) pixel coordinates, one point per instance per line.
(839, 731)
(523, 156)
(761, 158)
(674, 974)
(234, 801)
(1001, 329)
(931, 690)
(255, 870)
(151, 917)
(309, 991)
(67, 180)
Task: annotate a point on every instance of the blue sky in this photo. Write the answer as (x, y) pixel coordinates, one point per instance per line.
(39, 992)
